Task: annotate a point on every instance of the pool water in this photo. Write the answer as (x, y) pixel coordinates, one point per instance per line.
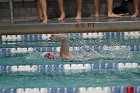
(98, 78)
(116, 65)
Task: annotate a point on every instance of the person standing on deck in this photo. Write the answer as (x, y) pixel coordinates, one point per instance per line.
(42, 11)
(96, 4)
(110, 7)
(61, 8)
(136, 8)
(79, 9)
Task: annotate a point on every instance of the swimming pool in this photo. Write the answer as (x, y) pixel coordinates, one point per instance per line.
(23, 70)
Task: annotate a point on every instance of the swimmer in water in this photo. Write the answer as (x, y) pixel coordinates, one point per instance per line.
(64, 50)
(85, 53)
(66, 55)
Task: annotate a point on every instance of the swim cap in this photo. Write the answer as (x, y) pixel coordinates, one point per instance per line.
(49, 55)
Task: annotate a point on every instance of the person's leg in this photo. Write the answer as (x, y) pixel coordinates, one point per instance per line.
(96, 5)
(64, 50)
(43, 6)
(61, 8)
(79, 8)
(110, 7)
(136, 8)
(40, 16)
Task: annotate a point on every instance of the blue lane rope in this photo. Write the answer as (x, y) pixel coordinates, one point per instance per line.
(67, 67)
(106, 35)
(113, 89)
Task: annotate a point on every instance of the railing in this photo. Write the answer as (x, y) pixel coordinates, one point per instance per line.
(11, 12)
(11, 8)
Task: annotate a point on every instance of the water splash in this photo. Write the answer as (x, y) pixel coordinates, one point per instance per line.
(108, 52)
(87, 53)
(116, 52)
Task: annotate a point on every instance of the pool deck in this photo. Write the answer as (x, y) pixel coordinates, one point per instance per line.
(70, 25)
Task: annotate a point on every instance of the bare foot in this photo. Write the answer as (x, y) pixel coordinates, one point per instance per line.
(113, 15)
(96, 15)
(40, 19)
(135, 15)
(45, 21)
(62, 17)
(78, 17)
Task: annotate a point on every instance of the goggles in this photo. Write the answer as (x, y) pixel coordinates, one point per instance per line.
(49, 55)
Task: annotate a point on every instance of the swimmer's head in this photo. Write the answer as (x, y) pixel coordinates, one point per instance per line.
(49, 55)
